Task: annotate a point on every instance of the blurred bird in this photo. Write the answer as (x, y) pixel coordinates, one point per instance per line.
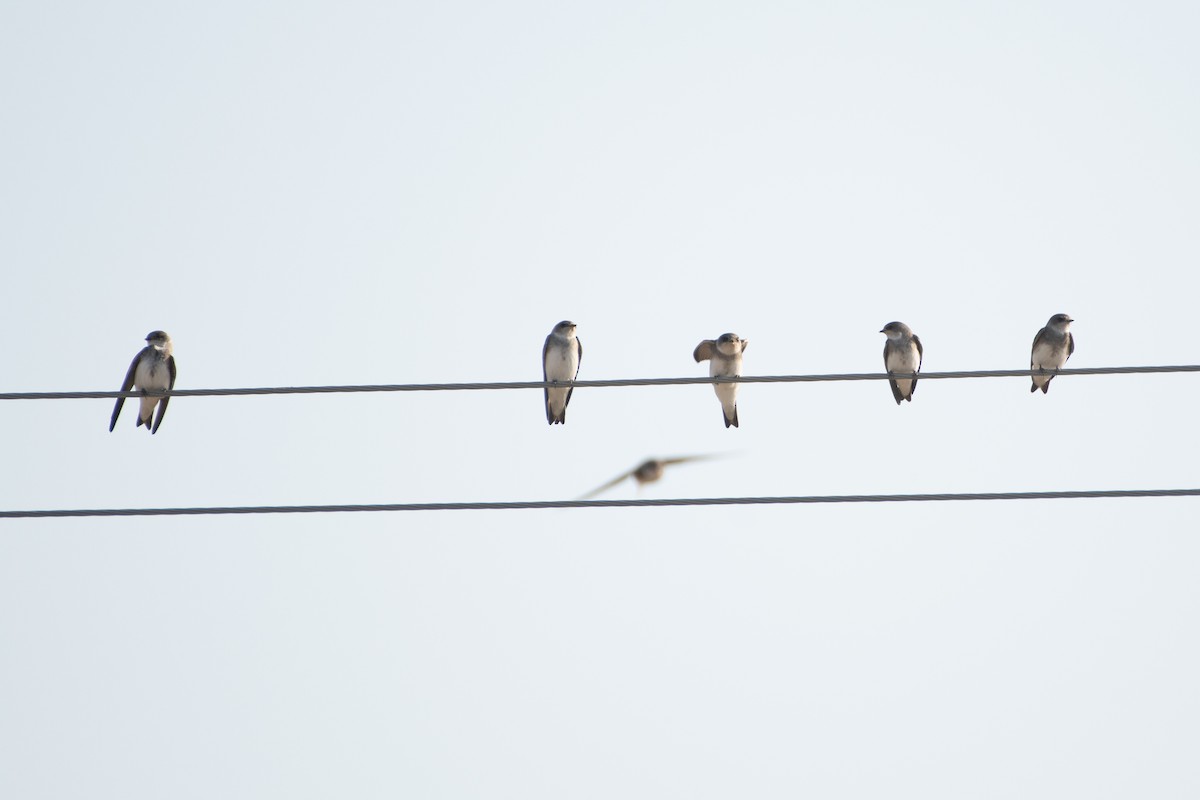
(561, 357)
(725, 361)
(902, 353)
(647, 472)
(1052, 347)
(152, 370)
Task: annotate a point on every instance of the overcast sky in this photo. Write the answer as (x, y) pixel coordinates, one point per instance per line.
(312, 193)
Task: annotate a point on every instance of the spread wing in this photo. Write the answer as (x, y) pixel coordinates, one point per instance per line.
(162, 404)
(125, 387)
(703, 351)
(685, 459)
(607, 486)
(663, 461)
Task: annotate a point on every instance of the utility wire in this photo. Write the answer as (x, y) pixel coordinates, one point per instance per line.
(543, 504)
(580, 384)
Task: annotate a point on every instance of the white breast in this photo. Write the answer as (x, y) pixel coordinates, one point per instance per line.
(152, 374)
(562, 363)
(903, 359)
(1049, 355)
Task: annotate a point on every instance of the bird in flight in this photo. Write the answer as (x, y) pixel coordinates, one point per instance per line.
(648, 471)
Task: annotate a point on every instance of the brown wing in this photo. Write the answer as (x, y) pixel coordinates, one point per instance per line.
(546, 390)
(607, 486)
(125, 387)
(162, 404)
(1036, 340)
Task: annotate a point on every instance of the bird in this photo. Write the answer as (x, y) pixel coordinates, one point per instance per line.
(152, 371)
(902, 353)
(561, 357)
(725, 361)
(648, 471)
(1052, 346)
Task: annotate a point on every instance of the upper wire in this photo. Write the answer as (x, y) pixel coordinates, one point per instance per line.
(611, 382)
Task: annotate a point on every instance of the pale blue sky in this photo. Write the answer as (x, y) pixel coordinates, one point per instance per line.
(321, 193)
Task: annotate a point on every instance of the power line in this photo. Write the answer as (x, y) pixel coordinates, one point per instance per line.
(488, 386)
(545, 504)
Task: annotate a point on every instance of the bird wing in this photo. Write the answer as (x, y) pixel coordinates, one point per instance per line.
(546, 390)
(685, 459)
(703, 351)
(162, 404)
(607, 486)
(578, 364)
(1036, 341)
(125, 387)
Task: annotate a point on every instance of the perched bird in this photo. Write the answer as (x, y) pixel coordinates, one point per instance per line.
(152, 371)
(902, 353)
(1052, 347)
(561, 357)
(648, 471)
(725, 361)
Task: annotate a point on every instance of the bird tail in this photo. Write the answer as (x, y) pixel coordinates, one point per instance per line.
(730, 420)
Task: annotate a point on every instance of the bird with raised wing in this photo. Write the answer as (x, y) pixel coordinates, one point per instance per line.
(724, 357)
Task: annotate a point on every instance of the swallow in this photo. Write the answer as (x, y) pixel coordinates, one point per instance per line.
(561, 357)
(725, 361)
(152, 371)
(1052, 347)
(648, 471)
(902, 353)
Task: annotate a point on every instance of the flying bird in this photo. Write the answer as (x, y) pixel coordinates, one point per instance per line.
(725, 361)
(152, 372)
(902, 353)
(1052, 347)
(648, 471)
(561, 357)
